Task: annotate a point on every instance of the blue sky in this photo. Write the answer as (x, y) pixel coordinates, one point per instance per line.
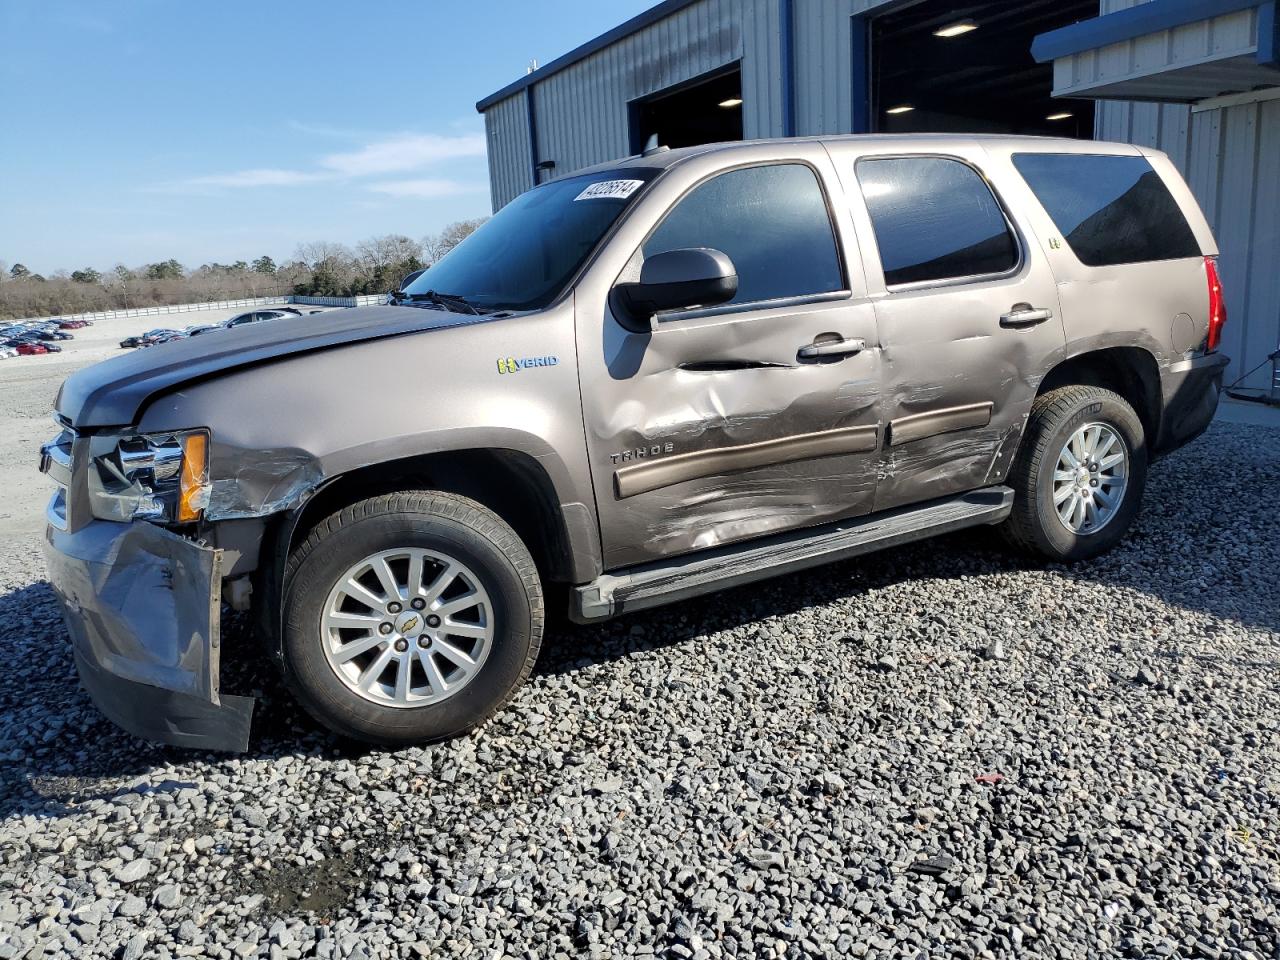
(138, 130)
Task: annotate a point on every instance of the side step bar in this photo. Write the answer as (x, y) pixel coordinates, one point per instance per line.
(667, 581)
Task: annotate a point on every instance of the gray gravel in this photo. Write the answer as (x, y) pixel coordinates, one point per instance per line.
(938, 751)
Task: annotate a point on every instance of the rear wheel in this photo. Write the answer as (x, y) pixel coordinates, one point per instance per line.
(410, 617)
(1079, 474)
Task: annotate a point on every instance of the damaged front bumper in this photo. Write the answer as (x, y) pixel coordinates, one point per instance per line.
(142, 605)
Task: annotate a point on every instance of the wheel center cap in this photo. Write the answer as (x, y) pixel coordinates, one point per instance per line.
(409, 622)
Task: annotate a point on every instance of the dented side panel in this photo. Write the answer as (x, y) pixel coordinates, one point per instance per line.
(958, 385)
(944, 350)
(771, 441)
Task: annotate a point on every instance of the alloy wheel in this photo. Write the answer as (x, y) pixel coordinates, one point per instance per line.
(1090, 478)
(407, 627)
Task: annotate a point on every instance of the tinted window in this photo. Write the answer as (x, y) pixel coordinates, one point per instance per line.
(525, 255)
(1109, 209)
(934, 219)
(771, 221)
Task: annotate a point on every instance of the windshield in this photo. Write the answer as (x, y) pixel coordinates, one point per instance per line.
(522, 258)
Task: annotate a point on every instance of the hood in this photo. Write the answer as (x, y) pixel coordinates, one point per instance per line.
(113, 393)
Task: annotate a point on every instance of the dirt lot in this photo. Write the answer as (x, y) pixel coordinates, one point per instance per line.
(940, 751)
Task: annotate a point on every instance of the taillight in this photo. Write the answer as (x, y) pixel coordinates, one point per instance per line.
(1217, 306)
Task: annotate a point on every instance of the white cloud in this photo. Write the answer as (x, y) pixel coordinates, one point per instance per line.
(406, 152)
(264, 177)
(402, 153)
(426, 188)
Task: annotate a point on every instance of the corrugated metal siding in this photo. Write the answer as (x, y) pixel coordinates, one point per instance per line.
(582, 113)
(1231, 159)
(824, 67)
(1206, 49)
(506, 126)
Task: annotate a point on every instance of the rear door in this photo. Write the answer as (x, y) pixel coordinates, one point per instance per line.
(968, 315)
(721, 424)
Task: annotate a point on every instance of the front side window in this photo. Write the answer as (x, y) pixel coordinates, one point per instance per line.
(526, 254)
(773, 223)
(1109, 209)
(935, 219)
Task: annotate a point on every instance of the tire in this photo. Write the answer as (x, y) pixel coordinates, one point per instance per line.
(1038, 477)
(434, 697)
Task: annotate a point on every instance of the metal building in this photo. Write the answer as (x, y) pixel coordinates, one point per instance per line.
(1199, 79)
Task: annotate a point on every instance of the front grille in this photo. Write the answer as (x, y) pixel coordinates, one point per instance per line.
(55, 462)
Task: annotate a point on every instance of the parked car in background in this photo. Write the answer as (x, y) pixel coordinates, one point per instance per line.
(202, 329)
(6, 352)
(27, 348)
(165, 338)
(35, 332)
(144, 339)
(74, 324)
(258, 316)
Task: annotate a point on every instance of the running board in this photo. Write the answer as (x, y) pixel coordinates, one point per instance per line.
(667, 581)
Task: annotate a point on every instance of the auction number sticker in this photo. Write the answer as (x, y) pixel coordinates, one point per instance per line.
(610, 190)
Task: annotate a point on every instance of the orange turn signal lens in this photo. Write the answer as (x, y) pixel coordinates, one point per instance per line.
(193, 494)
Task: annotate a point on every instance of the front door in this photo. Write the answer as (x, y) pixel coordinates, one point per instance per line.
(748, 418)
(968, 318)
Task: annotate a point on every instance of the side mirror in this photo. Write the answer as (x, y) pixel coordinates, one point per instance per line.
(692, 277)
(398, 293)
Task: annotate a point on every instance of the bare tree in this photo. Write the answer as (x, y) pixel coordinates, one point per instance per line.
(332, 268)
(435, 246)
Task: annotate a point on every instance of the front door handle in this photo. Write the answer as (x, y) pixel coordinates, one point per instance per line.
(831, 345)
(1025, 315)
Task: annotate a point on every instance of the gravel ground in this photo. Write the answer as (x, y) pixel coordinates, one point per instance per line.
(938, 751)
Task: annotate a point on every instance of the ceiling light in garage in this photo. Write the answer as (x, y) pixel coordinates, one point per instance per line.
(955, 29)
(1060, 116)
(904, 108)
(731, 102)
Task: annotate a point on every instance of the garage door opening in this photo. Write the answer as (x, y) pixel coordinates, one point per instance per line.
(944, 67)
(705, 110)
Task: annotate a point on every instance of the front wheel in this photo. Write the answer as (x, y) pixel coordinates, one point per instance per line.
(1079, 474)
(410, 617)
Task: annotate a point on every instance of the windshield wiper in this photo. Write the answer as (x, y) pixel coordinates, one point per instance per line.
(449, 301)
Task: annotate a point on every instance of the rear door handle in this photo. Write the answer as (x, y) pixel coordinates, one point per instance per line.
(1025, 315)
(842, 347)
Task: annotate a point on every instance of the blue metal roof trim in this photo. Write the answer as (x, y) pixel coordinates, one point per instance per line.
(1129, 24)
(635, 24)
(1269, 35)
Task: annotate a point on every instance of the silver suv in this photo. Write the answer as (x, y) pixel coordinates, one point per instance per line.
(660, 377)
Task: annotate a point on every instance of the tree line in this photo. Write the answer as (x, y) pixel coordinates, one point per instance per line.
(319, 269)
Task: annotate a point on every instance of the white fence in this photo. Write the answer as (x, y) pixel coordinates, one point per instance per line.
(246, 302)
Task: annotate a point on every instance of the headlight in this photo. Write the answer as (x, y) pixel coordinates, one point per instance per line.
(162, 477)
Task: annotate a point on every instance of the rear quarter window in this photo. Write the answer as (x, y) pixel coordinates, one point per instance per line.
(935, 220)
(1110, 210)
